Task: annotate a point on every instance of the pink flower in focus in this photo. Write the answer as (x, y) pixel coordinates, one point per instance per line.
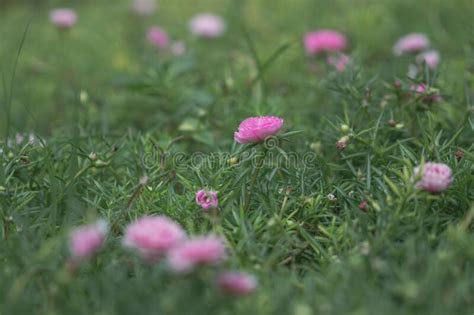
(153, 236)
(207, 199)
(178, 48)
(63, 18)
(158, 37)
(207, 25)
(86, 240)
(339, 61)
(204, 250)
(435, 177)
(411, 43)
(144, 7)
(237, 283)
(431, 58)
(324, 41)
(256, 129)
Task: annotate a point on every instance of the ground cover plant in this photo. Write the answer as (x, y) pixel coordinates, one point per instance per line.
(237, 157)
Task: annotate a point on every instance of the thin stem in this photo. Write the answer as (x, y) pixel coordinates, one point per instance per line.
(214, 218)
(254, 180)
(5, 229)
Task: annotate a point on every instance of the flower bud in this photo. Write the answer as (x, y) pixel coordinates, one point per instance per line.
(316, 147)
(93, 156)
(233, 161)
(100, 163)
(345, 128)
(341, 144)
(83, 96)
(363, 205)
(143, 180)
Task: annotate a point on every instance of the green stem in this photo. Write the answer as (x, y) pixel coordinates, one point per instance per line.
(214, 218)
(254, 180)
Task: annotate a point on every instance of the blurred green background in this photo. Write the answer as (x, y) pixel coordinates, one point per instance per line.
(104, 56)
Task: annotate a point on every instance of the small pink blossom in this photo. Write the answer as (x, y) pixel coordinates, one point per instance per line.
(339, 61)
(204, 250)
(421, 89)
(153, 236)
(237, 283)
(207, 25)
(144, 7)
(63, 18)
(324, 41)
(431, 58)
(86, 240)
(418, 88)
(411, 43)
(207, 199)
(257, 129)
(158, 37)
(178, 48)
(435, 177)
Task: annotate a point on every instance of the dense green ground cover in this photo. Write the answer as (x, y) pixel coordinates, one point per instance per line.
(107, 109)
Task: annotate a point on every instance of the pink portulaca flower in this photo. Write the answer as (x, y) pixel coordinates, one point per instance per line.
(324, 41)
(257, 129)
(431, 58)
(339, 61)
(435, 177)
(204, 250)
(86, 240)
(153, 236)
(411, 43)
(144, 7)
(207, 199)
(207, 25)
(237, 283)
(158, 37)
(63, 18)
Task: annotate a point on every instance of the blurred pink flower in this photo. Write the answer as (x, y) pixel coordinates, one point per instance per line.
(86, 240)
(418, 88)
(339, 61)
(178, 48)
(144, 7)
(204, 250)
(63, 18)
(158, 37)
(19, 137)
(207, 25)
(435, 177)
(256, 129)
(431, 58)
(207, 199)
(411, 43)
(421, 89)
(153, 236)
(237, 283)
(324, 41)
